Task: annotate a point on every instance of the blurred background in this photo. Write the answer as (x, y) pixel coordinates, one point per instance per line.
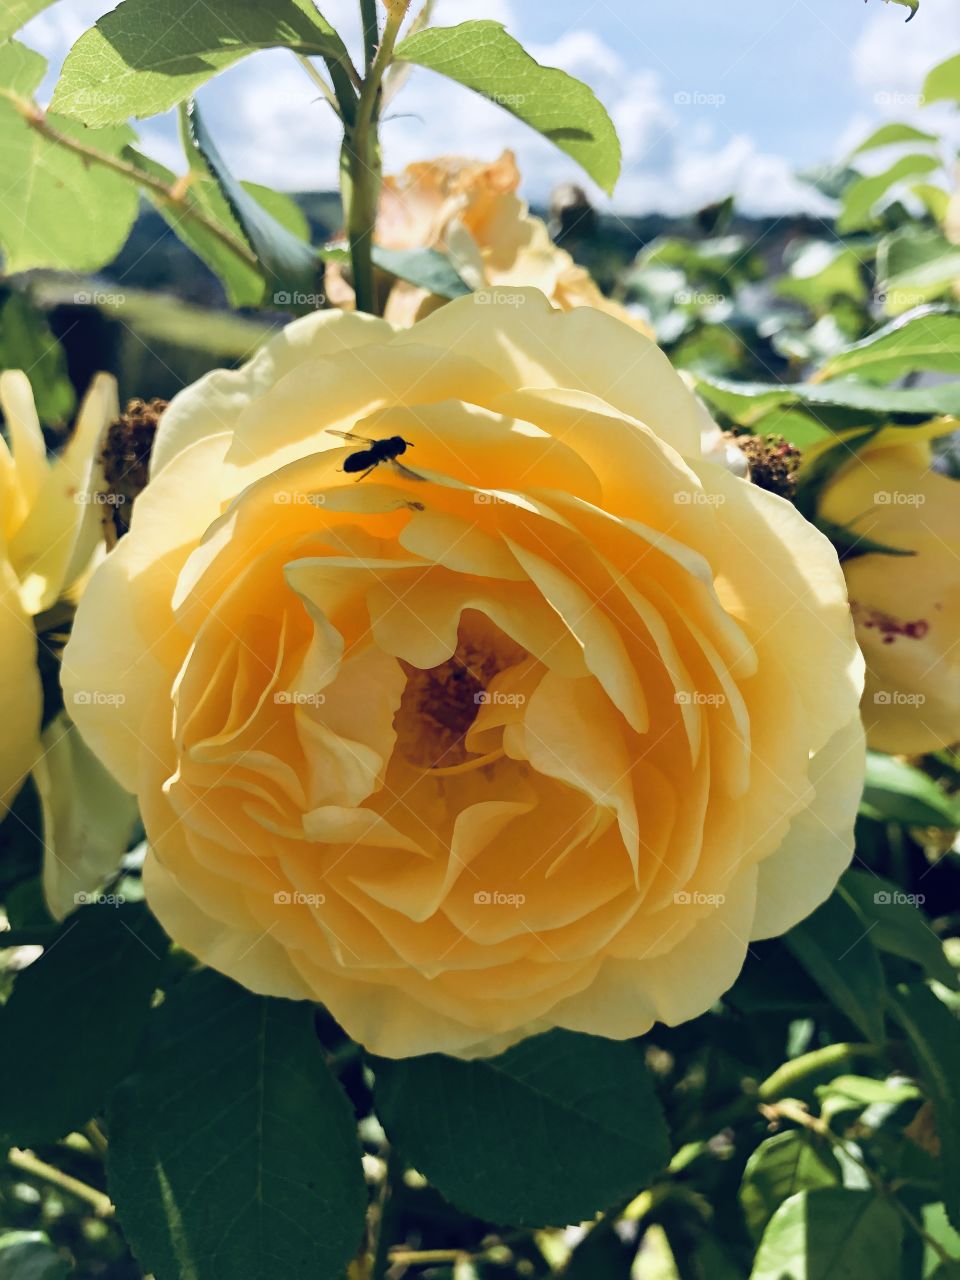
(737, 122)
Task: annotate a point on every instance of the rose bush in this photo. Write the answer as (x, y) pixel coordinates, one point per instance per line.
(906, 608)
(48, 532)
(541, 732)
(471, 211)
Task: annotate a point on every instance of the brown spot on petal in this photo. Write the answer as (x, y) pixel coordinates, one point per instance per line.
(890, 628)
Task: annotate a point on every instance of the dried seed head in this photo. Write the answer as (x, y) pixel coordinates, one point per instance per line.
(773, 463)
(126, 461)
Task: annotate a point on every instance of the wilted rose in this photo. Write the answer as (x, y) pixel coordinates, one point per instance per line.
(472, 212)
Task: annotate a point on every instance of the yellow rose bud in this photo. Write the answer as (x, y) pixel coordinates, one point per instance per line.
(471, 211)
(538, 731)
(906, 608)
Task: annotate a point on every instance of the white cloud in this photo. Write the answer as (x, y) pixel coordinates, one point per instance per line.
(271, 127)
(584, 55)
(447, 13)
(891, 58)
(889, 64)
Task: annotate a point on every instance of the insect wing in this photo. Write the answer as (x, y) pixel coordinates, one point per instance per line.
(405, 471)
(348, 435)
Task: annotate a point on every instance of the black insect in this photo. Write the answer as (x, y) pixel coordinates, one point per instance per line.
(376, 451)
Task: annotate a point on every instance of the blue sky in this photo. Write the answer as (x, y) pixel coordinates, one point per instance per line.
(709, 96)
(783, 67)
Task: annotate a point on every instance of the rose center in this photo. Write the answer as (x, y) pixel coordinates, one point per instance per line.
(439, 704)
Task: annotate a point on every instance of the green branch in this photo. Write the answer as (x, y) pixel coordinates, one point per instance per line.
(360, 164)
(28, 1163)
(789, 1109)
(175, 195)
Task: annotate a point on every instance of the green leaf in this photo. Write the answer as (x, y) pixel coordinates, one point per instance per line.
(895, 791)
(925, 339)
(747, 402)
(861, 196)
(27, 342)
(780, 1167)
(847, 541)
(900, 928)
(943, 81)
(290, 265)
(933, 1032)
(72, 1025)
(233, 1152)
(937, 1227)
(821, 272)
(912, 5)
(29, 1255)
(859, 1093)
(427, 268)
(915, 264)
(244, 285)
(796, 427)
(58, 210)
(831, 1234)
(935, 200)
(145, 56)
(888, 134)
(483, 57)
(548, 1133)
(834, 947)
(16, 13)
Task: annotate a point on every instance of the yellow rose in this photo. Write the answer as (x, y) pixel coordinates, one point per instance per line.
(472, 211)
(47, 535)
(542, 734)
(906, 608)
